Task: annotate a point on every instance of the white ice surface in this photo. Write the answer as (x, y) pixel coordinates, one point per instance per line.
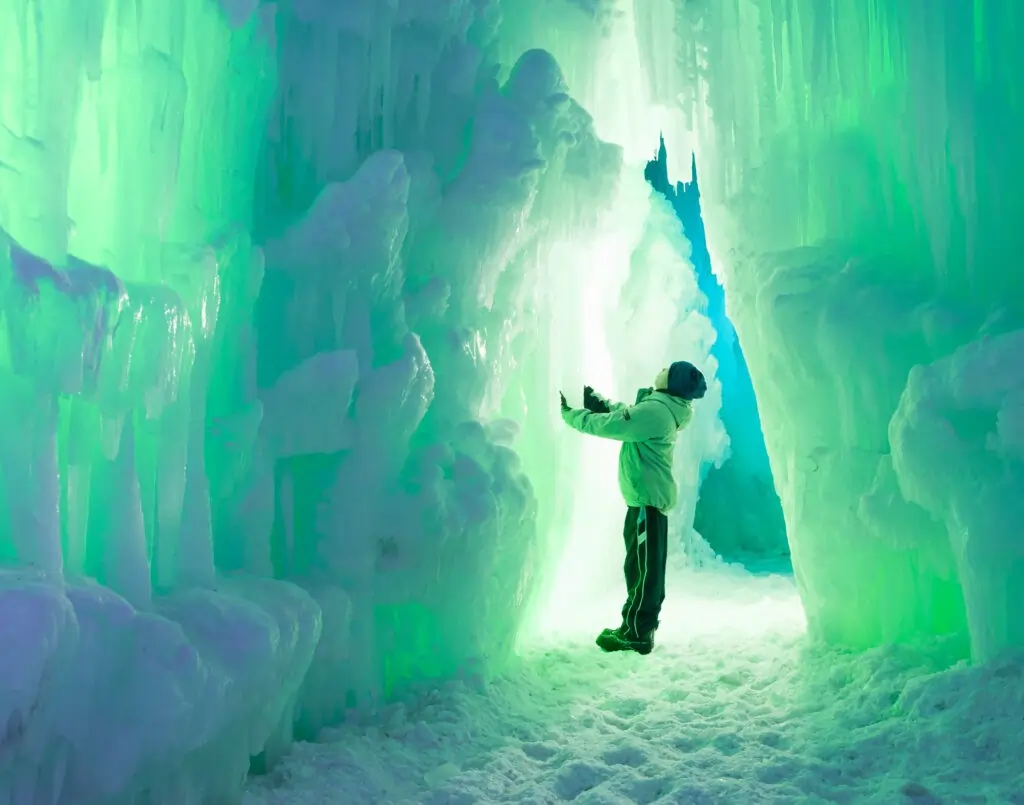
(734, 706)
(100, 702)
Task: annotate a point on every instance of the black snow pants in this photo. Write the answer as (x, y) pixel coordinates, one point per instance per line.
(646, 537)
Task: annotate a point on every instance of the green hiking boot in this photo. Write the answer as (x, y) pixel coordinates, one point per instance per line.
(622, 639)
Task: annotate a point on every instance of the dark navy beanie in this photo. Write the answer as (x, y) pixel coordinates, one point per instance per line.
(686, 381)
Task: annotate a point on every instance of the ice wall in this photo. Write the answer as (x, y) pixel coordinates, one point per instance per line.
(861, 167)
(288, 294)
(131, 670)
(442, 250)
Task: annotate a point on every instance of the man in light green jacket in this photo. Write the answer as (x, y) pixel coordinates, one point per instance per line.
(647, 430)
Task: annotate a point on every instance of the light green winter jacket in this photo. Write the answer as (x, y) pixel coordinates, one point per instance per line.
(647, 431)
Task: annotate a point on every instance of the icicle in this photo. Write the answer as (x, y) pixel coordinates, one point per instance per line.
(31, 476)
(195, 564)
(125, 561)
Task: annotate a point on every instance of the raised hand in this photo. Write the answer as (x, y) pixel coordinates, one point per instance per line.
(592, 402)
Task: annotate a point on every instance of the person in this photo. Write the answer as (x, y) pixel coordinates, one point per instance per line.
(647, 430)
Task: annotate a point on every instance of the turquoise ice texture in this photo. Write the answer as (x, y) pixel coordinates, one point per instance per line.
(289, 290)
(754, 531)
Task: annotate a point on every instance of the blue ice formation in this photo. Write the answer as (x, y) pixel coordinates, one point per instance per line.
(738, 511)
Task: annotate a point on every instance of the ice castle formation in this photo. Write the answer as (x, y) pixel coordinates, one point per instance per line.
(757, 528)
(289, 290)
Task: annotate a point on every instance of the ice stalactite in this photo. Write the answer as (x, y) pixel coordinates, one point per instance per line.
(33, 494)
(125, 563)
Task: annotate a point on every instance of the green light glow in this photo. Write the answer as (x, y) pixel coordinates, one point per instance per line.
(130, 141)
(861, 198)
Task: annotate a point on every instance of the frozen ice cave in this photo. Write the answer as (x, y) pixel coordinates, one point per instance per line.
(288, 291)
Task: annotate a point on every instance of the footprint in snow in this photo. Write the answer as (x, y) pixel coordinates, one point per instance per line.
(577, 778)
(540, 751)
(625, 708)
(645, 792)
(625, 756)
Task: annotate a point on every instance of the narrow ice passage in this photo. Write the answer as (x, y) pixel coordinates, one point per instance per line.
(288, 293)
(734, 706)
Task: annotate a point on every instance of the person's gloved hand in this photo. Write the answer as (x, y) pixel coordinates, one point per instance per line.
(593, 403)
(565, 405)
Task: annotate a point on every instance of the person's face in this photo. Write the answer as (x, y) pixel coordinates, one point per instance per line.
(661, 380)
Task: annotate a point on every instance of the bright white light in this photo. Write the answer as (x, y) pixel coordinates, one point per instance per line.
(625, 341)
(724, 602)
(592, 555)
(588, 589)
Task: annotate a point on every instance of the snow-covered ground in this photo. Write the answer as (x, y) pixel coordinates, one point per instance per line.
(734, 706)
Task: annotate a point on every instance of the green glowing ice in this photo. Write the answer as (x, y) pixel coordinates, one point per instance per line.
(864, 205)
(131, 140)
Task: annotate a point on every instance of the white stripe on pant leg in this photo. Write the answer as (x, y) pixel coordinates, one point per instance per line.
(643, 583)
(641, 539)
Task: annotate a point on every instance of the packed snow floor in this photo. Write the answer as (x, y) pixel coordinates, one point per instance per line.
(734, 706)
